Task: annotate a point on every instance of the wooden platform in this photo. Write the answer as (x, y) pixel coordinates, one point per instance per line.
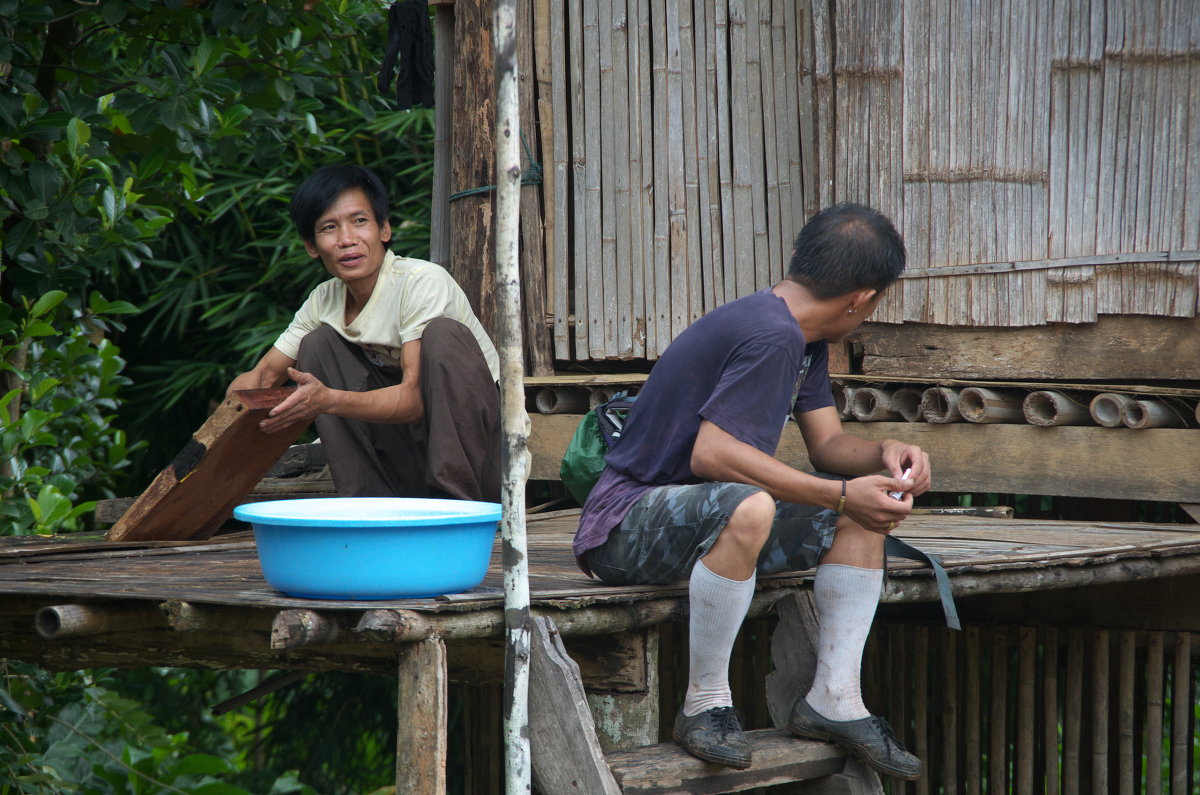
(206, 603)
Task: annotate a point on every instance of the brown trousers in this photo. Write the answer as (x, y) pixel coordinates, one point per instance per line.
(452, 452)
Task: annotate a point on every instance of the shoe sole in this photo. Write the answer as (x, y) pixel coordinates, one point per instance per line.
(735, 763)
(862, 756)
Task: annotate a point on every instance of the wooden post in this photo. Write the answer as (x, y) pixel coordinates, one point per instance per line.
(421, 718)
(473, 153)
(514, 420)
(443, 105)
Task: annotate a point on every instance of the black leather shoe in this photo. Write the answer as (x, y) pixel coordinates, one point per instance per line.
(714, 735)
(870, 739)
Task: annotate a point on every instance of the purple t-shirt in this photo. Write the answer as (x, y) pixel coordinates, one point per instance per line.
(741, 367)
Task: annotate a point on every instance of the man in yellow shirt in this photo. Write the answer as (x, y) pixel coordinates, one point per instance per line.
(390, 361)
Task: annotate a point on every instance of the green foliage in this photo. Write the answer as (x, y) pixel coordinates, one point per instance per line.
(60, 377)
(72, 732)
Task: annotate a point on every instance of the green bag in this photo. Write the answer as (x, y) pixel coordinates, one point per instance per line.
(583, 462)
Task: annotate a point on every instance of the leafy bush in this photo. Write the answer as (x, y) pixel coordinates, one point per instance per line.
(57, 438)
(71, 732)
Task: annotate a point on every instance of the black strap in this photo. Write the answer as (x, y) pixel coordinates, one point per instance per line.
(896, 548)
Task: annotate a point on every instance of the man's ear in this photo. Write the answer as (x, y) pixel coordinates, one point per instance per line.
(385, 232)
(859, 299)
(311, 248)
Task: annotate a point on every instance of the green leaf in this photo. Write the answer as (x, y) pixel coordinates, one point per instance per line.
(113, 11)
(78, 135)
(23, 235)
(39, 328)
(47, 302)
(208, 54)
(43, 179)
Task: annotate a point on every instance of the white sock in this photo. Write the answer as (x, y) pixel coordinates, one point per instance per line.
(846, 598)
(718, 607)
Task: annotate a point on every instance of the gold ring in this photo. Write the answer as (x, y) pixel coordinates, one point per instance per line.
(891, 526)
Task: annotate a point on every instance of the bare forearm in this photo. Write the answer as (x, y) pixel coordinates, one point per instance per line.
(846, 454)
(397, 404)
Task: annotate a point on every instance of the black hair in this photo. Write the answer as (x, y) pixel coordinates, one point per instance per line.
(844, 248)
(314, 196)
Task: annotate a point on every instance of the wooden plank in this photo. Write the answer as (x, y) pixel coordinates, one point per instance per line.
(779, 758)
(629, 718)
(719, 56)
(660, 324)
(564, 748)
(1106, 463)
(972, 744)
(793, 654)
(1112, 348)
(641, 155)
(676, 187)
(921, 703)
(951, 702)
(196, 493)
(422, 713)
(708, 155)
(553, 110)
(1073, 714)
(615, 285)
(593, 262)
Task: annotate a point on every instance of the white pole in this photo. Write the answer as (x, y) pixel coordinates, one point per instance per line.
(514, 420)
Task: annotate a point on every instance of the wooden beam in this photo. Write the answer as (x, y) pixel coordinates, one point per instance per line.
(1075, 461)
(1113, 348)
(422, 713)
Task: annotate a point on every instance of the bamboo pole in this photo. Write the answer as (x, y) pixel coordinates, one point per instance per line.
(1141, 414)
(939, 404)
(561, 400)
(870, 404)
(514, 420)
(980, 405)
(906, 401)
(1047, 408)
(1108, 408)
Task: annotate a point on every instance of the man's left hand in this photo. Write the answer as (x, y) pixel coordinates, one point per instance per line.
(310, 399)
(898, 456)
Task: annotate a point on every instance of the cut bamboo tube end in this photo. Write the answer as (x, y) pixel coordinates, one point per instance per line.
(1048, 408)
(906, 401)
(980, 405)
(1108, 409)
(293, 629)
(1141, 414)
(76, 620)
(872, 405)
(842, 396)
(561, 400)
(939, 404)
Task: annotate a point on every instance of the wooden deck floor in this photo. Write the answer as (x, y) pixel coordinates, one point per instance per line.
(225, 571)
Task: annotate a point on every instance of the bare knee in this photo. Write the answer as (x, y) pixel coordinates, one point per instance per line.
(750, 523)
(855, 545)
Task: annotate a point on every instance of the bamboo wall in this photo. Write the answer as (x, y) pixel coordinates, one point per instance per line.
(1037, 156)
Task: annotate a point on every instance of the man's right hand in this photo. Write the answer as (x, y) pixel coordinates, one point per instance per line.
(247, 380)
(868, 503)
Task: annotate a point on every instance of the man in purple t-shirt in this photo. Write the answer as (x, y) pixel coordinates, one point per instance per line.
(694, 490)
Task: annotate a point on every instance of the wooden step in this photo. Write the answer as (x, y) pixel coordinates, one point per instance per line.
(779, 758)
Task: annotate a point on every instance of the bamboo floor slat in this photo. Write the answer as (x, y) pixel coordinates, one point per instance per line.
(225, 570)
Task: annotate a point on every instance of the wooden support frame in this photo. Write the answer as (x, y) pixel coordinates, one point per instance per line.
(421, 717)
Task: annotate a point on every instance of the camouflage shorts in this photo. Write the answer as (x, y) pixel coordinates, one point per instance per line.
(671, 527)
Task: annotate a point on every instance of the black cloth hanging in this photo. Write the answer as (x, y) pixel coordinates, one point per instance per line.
(410, 53)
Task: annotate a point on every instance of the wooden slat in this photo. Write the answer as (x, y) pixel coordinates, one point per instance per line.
(583, 221)
(1050, 713)
(972, 739)
(1155, 661)
(920, 704)
(1099, 701)
(615, 286)
(1181, 713)
(1025, 737)
(439, 216)
(661, 318)
(951, 701)
(538, 350)
(1073, 714)
(1128, 766)
(594, 266)
(998, 713)
(742, 170)
(618, 108)
(553, 109)
(640, 224)
(708, 155)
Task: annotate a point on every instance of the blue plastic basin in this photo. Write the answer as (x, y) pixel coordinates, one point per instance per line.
(372, 547)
